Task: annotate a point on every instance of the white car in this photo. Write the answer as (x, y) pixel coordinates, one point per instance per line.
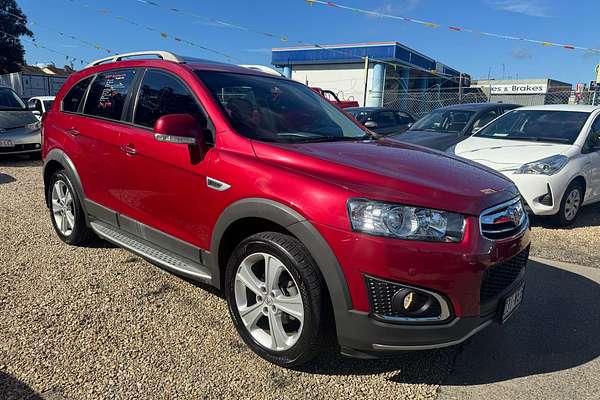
(551, 152)
(39, 105)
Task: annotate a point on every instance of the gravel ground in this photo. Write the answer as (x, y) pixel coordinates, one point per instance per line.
(577, 244)
(91, 323)
(99, 322)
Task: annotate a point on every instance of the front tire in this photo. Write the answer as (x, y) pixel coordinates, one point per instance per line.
(275, 293)
(569, 205)
(66, 212)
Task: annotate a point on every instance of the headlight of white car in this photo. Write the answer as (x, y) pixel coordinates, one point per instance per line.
(405, 222)
(545, 166)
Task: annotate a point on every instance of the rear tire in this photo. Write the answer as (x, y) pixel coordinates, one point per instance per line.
(569, 205)
(273, 282)
(66, 212)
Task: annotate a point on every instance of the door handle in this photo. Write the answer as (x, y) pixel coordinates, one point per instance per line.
(129, 149)
(73, 131)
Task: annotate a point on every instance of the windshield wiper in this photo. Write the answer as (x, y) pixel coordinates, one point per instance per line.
(331, 139)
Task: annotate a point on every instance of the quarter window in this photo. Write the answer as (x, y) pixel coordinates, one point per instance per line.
(73, 98)
(162, 94)
(108, 94)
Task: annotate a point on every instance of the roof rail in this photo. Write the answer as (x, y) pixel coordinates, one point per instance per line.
(163, 55)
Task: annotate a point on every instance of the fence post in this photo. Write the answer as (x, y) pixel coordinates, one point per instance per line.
(366, 81)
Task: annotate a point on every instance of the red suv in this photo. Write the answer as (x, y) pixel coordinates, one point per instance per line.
(258, 186)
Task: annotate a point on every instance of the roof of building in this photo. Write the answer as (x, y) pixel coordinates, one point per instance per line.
(393, 52)
(45, 70)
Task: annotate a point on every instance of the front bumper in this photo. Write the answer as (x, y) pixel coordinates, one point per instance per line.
(24, 140)
(542, 193)
(453, 270)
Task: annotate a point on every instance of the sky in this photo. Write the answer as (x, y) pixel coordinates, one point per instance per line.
(570, 22)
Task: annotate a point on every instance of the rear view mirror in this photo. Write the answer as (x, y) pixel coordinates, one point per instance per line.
(371, 124)
(182, 129)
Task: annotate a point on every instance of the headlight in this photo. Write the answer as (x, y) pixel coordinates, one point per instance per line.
(34, 125)
(546, 166)
(404, 222)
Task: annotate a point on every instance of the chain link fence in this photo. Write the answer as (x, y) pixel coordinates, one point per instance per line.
(421, 103)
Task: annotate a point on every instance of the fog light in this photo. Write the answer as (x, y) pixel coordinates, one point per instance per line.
(411, 303)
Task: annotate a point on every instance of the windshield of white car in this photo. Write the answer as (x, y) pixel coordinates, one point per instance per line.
(444, 121)
(278, 110)
(9, 101)
(537, 125)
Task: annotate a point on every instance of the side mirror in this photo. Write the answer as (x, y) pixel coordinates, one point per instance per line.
(182, 129)
(371, 124)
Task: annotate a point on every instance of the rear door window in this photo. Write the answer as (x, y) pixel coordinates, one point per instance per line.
(108, 94)
(384, 119)
(163, 94)
(74, 97)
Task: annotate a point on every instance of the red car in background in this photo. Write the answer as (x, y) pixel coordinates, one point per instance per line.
(333, 99)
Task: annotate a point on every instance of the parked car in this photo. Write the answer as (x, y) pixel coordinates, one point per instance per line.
(382, 120)
(39, 105)
(552, 153)
(19, 128)
(258, 186)
(333, 99)
(447, 126)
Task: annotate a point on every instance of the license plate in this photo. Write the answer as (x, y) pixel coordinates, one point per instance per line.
(6, 143)
(511, 303)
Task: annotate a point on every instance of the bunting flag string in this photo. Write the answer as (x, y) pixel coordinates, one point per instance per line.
(281, 38)
(545, 43)
(73, 37)
(39, 45)
(165, 35)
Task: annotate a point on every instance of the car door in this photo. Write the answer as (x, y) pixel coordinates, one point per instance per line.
(163, 188)
(98, 130)
(592, 167)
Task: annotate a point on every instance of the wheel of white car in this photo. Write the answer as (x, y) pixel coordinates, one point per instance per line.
(570, 205)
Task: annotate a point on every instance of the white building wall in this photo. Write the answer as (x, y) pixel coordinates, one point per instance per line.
(347, 81)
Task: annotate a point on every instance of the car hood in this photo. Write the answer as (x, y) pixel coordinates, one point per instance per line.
(16, 119)
(506, 155)
(434, 140)
(396, 172)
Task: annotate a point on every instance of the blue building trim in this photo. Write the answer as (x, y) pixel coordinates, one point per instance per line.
(341, 54)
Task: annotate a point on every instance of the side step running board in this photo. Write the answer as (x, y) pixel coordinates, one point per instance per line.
(151, 252)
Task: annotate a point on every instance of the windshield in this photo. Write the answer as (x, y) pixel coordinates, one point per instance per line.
(537, 125)
(278, 110)
(48, 104)
(10, 101)
(444, 121)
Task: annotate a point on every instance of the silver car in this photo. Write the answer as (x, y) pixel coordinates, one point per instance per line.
(19, 128)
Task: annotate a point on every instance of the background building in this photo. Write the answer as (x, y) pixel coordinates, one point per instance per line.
(392, 71)
(526, 92)
(31, 81)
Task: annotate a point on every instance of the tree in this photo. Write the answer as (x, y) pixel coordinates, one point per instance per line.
(13, 25)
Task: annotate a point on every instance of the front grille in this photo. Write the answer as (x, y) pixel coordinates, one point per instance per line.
(504, 220)
(501, 276)
(381, 293)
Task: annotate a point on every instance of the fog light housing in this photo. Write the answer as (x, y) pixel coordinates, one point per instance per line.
(412, 303)
(396, 302)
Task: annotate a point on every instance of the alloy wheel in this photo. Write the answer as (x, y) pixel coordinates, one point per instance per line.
(268, 301)
(63, 209)
(572, 204)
